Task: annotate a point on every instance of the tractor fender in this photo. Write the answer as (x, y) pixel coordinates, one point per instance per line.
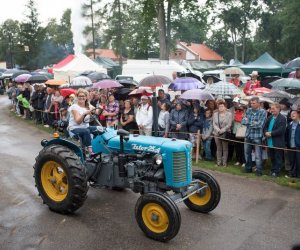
(77, 150)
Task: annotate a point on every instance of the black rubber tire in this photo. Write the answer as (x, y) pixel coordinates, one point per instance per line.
(74, 172)
(169, 207)
(214, 189)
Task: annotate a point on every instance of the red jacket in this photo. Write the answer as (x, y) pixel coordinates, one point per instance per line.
(250, 86)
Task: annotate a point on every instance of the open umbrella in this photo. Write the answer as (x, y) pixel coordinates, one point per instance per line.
(190, 74)
(186, 83)
(215, 79)
(141, 91)
(223, 89)
(278, 94)
(97, 76)
(265, 81)
(107, 84)
(291, 83)
(55, 82)
(81, 82)
(234, 71)
(17, 73)
(128, 82)
(154, 81)
(295, 63)
(37, 78)
(122, 93)
(197, 94)
(67, 92)
(261, 90)
(22, 78)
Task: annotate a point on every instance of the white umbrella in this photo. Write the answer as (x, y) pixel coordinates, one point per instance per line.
(197, 94)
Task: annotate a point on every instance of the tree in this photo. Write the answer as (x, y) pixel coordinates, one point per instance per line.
(65, 34)
(88, 11)
(9, 40)
(31, 37)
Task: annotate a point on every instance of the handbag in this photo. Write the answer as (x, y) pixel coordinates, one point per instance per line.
(241, 132)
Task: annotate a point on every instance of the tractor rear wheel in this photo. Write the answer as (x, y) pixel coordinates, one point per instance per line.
(158, 216)
(206, 199)
(60, 179)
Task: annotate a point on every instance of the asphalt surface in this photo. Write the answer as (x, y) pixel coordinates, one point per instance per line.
(252, 214)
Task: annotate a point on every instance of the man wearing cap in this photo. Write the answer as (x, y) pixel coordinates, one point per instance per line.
(144, 117)
(254, 119)
(252, 84)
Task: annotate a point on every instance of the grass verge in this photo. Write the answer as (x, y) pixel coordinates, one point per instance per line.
(238, 170)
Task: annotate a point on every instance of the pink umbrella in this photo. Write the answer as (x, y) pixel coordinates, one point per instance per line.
(107, 84)
(262, 90)
(22, 78)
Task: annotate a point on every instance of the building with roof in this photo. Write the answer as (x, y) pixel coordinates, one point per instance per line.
(108, 53)
(200, 56)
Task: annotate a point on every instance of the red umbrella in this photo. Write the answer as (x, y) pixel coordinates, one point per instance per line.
(107, 84)
(141, 91)
(67, 92)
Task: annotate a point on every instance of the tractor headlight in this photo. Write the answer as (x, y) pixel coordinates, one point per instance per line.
(158, 159)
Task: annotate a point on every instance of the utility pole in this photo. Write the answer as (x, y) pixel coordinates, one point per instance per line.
(93, 30)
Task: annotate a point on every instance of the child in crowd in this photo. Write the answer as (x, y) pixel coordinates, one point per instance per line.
(164, 120)
(206, 135)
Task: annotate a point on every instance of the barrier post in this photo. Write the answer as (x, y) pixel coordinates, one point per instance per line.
(197, 146)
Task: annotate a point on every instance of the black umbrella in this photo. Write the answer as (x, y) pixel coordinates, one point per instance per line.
(37, 79)
(128, 82)
(122, 93)
(265, 82)
(215, 79)
(97, 76)
(190, 74)
(87, 72)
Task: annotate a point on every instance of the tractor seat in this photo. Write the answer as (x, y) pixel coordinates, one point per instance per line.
(122, 132)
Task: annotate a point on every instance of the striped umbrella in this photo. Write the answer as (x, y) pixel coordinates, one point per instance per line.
(223, 89)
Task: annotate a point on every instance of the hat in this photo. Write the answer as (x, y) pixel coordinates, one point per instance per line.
(144, 97)
(244, 102)
(254, 73)
(236, 99)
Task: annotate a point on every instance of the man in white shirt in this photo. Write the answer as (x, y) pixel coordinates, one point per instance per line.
(144, 117)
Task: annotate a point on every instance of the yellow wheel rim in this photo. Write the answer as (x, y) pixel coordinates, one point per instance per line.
(155, 218)
(201, 198)
(54, 181)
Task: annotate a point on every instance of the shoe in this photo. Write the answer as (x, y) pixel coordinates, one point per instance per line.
(236, 164)
(46, 126)
(243, 165)
(274, 175)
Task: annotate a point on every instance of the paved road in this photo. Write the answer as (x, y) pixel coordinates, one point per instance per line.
(252, 214)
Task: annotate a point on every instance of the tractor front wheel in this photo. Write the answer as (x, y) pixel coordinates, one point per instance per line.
(60, 179)
(206, 199)
(158, 216)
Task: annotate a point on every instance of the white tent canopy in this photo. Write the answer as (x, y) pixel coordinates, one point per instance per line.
(79, 64)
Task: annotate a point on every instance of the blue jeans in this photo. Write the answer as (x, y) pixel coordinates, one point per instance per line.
(206, 146)
(258, 155)
(84, 135)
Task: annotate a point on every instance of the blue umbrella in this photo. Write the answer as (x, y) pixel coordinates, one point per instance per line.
(186, 83)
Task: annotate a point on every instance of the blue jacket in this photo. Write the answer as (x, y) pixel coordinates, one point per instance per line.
(195, 123)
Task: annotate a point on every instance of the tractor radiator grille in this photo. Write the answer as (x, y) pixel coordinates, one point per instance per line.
(179, 167)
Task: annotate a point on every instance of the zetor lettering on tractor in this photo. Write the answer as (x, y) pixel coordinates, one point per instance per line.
(160, 169)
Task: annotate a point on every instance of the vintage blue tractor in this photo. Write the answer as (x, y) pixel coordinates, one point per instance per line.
(160, 169)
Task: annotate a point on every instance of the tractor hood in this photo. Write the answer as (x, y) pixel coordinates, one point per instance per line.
(150, 144)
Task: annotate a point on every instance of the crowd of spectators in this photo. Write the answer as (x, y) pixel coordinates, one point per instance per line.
(276, 126)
